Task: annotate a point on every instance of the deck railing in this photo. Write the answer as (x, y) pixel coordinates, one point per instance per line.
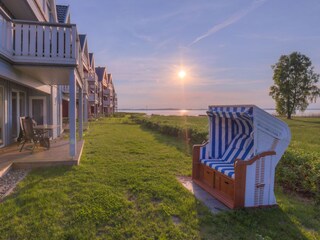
(90, 76)
(93, 97)
(38, 42)
(106, 92)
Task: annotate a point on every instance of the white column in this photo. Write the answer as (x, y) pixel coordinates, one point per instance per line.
(85, 108)
(72, 114)
(80, 114)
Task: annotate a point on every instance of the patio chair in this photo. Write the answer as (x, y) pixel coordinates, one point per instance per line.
(37, 137)
(237, 164)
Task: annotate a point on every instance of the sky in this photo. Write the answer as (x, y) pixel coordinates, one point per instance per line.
(226, 48)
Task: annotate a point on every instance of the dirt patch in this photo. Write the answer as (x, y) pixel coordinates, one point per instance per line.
(176, 220)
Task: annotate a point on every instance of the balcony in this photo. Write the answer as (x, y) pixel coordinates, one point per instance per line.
(91, 77)
(26, 42)
(106, 92)
(93, 98)
(65, 89)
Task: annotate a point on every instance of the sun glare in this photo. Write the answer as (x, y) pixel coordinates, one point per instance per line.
(182, 74)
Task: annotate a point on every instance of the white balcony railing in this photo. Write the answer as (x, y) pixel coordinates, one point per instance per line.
(90, 76)
(106, 92)
(93, 98)
(38, 42)
(65, 88)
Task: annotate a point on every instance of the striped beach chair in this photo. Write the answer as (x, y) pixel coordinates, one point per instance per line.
(238, 162)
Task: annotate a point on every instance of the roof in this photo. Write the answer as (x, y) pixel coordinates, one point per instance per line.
(62, 13)
(82, 38)
(90, 58)
(100, 71)
(109, 77)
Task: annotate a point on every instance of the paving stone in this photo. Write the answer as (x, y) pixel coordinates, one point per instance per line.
(213, 204)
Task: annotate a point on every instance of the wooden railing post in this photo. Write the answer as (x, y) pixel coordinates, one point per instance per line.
(196, 161)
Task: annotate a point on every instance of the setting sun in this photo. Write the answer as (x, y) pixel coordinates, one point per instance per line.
(182, 74)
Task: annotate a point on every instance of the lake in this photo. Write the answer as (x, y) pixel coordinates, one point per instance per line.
(197, 112)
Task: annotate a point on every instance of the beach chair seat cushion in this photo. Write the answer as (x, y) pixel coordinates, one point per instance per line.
(220, 165)
(239, 148)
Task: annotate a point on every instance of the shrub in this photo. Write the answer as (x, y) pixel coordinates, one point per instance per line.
(173, 129)
(300, 172)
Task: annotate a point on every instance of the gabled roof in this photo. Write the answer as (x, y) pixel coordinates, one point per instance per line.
(62, 13)
(91, 61)
(83, 38)
(101, 71)
(90, 58)
(109, 78)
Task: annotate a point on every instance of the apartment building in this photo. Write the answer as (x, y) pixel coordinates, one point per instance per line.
(46, 70)
(39, 54)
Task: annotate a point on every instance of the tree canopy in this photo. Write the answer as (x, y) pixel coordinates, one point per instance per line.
(295, 84)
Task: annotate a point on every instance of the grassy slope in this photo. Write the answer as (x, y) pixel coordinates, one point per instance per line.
(125, 188)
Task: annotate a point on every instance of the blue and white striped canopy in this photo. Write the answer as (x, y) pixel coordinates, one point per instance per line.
(226, 125)
(231, 112)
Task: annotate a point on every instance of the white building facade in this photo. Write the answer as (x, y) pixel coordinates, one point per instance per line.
(38, 55)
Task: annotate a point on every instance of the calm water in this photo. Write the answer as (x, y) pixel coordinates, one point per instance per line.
(307, 113)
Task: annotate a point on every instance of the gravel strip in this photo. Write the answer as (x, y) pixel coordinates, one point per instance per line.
(9, 181)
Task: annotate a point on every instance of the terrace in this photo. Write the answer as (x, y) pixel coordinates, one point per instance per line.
(57, 155)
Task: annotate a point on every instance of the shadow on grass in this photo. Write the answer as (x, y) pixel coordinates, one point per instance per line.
(180, 144)
(257, 223)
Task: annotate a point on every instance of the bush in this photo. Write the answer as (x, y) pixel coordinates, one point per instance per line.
(300, 172)
(183, 131)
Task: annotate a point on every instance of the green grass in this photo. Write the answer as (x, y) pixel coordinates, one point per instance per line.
(305, 134)
(299, 169)
(126, 188)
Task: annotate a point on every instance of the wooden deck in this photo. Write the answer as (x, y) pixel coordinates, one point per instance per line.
(57, 155)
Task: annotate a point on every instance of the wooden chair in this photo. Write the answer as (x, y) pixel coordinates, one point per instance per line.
(37, 137)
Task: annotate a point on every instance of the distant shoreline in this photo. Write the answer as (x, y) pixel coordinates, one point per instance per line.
(189, 109)
(197, 112)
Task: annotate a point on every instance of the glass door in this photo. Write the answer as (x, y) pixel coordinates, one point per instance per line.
(1, 116)
(18, 109)
(15, 114)
(38, 110)
(22, 101)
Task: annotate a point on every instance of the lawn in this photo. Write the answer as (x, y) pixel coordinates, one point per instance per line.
(126, 187)
(299, 169)
(304, 130)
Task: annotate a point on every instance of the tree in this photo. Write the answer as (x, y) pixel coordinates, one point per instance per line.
(295, 84)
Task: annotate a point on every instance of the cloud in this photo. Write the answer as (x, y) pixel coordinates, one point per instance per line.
(229, 21)
(280, 38)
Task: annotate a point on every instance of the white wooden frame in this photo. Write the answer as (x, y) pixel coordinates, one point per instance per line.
(45, 120)
(2, 109)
